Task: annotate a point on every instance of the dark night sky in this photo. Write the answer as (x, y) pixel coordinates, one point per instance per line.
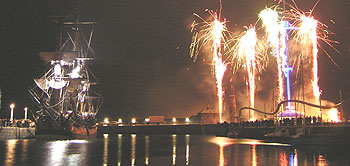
(142, 49)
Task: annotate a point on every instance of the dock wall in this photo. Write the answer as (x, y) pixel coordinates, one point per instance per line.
(16, 132)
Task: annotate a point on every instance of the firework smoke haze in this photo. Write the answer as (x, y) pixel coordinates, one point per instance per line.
(245, 50)
(220, 67)
(307, 31)
(212, 32)
(271, 20)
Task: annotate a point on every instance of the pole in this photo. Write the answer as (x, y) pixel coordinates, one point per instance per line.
(25, 113)
(12, 106)
(341, 107)
(321, 110)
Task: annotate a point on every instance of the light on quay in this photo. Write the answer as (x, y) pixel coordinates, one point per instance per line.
(147, 120)
(174, 120)
(187, 120)
(120, 121)
(12, 106)
(106, 121)
(133, 120)
(25, 113)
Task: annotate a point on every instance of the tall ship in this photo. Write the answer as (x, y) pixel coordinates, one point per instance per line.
(66, 93)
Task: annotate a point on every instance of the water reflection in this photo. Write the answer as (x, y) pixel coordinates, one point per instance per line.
(67, 152)
(174, 148)
(222, 158)
(146, 149)
(105, 149)
(283, 159)
(10, 154)
(321, 160)
(133, 148)
(222, 142)
(228, 145)
(291, 159)
(24, 150)
(57, 150)
(165, 150)
(294, 158)
(187, 149)
(254, 162)
(119, 153)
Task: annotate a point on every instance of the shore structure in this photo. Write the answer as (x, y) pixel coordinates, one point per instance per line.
(18, 129)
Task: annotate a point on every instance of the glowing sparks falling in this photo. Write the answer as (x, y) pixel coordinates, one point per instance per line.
(307, 31)
(214, 32)
(220, 67)
(333, 115)
(250, 39)
(270, 20)
(246, 49)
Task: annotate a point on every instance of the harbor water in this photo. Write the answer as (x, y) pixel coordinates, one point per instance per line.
(163, 150)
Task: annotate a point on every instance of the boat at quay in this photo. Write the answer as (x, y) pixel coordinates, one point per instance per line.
(66, 94)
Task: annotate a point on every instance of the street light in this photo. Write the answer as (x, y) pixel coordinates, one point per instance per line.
(133, 120)
(120, 121)
(12, 106)
(106, 121)
(25, 113)
(147, 120)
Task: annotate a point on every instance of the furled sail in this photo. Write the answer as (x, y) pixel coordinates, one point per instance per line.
(67, 57)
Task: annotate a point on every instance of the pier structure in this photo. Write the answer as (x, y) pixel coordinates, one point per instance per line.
(315, 131)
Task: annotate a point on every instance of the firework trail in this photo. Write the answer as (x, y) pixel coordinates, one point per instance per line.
(212, 32)
(250, 39)
(272, 26)
(245, 51)
(308, 31)
(220, 67)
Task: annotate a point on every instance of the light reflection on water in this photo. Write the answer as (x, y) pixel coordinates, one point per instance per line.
(10, 154)
(120, 143)
(254, 162)
(156, 150)
(133, 149)
(147, 150)
(105, 149)
(66, 152)
(187, 149)
(174, 149)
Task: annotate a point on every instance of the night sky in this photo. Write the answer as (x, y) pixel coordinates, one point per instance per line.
(142, 51)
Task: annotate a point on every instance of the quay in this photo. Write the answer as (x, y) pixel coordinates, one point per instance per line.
(317, 133)
(210, 129)
(19, 129)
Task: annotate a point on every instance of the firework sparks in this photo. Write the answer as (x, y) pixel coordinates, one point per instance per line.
(250, 39)
(333, 115)
(220, 67)
(307, 31)
(245, 50)
(272, 26)
(310, 30)
(212, 32)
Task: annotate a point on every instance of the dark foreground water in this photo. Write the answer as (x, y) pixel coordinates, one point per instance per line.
(166, 150)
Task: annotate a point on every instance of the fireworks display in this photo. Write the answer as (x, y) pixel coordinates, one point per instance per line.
(271, 20)
(213, 32)
(308, 32)
(244, 51)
